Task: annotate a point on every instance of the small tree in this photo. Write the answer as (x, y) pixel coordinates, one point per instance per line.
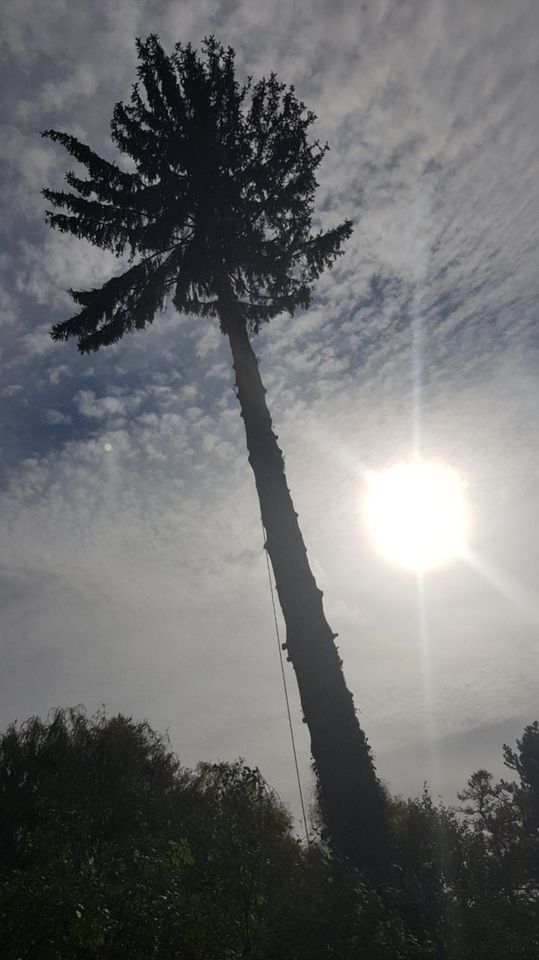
(217, 215)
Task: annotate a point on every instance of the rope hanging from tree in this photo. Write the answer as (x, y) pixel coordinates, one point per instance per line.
(285, 688)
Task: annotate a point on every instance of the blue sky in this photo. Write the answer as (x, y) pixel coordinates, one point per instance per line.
(134, 576)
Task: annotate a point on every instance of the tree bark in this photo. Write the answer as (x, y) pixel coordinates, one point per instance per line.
(352, 800)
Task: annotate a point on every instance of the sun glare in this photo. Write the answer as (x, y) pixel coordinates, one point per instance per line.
(417, 514)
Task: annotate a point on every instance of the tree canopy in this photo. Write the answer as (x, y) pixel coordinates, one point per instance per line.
(110, 848)
(220, 183)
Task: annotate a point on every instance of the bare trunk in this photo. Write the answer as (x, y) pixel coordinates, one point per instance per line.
(351, 797)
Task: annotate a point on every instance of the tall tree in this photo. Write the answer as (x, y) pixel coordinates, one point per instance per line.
(217, 213)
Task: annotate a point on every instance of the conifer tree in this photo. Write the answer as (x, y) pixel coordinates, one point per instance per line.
(217, 216)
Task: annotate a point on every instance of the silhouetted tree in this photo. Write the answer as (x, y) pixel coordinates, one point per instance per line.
(465, 882)
(525, 762)
(217, 214)
(495, 884)
(109, 849)
(423, 841)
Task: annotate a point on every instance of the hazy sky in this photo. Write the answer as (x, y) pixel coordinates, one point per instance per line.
(134, 576)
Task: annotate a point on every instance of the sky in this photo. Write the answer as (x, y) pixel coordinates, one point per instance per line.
(132, 572)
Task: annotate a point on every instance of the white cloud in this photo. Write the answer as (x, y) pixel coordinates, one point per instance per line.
(38, 343)
(101, 408)
(56, 417)
(48, 269)
(13, 390)
(56, 373)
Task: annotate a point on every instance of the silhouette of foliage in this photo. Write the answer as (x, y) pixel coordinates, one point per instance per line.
(467, 878)
(110, 849)
(223, 185)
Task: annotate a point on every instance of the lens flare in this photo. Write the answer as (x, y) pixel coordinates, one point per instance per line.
(417, 514)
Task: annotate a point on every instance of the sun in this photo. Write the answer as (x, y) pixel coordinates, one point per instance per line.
(417, 514)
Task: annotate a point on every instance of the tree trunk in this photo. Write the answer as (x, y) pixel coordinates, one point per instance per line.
(352, 800)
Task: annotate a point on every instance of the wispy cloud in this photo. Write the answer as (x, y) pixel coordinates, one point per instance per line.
(128, 512)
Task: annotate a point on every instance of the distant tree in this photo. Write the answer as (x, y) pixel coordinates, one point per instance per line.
(525, 762)
(495, 884)
(109, 849)
(423, 840)
(465, 880)
(217, 214)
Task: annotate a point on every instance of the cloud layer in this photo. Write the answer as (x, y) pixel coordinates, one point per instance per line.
(133, 572)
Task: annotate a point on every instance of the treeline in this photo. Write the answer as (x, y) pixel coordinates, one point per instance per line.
(110, 849)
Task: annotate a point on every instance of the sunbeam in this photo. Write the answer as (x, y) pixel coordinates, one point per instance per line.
(426, 676)
(505, 585)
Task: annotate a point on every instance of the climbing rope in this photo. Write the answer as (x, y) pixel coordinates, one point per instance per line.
(285, 688)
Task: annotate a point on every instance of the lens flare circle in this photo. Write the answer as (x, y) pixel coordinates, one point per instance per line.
(417, 514)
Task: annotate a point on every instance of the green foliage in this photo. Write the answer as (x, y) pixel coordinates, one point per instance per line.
(423, 847)
(498, 879)
(525, 762)
(222, 192)
(467, 881)
(109, 849)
